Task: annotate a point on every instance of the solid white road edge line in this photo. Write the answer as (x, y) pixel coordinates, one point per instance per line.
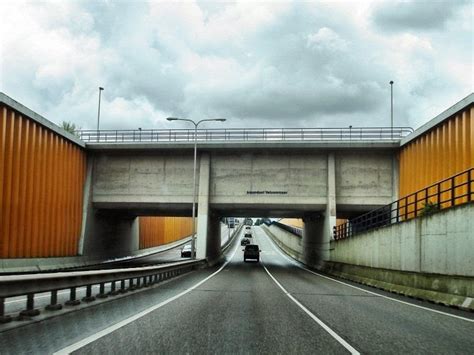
(361, 289)
(69, 349)
(316, 319)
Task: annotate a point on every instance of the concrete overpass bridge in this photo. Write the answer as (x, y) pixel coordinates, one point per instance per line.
(317, 175)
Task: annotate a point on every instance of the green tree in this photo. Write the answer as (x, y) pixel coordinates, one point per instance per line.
(71, 128)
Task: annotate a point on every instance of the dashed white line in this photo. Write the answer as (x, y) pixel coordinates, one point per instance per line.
(361, 289)
(104, 332)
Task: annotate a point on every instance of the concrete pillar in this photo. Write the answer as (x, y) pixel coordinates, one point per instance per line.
(318, 228)
(105, 236)
(395, 184)
(203, 206)
(312, 239)
(213, 238)
(330, 220)
(395, 178)
(86, 203)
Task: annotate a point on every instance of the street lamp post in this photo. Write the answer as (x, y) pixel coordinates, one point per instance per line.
(196, 124)
(391, 107)
(98, 112)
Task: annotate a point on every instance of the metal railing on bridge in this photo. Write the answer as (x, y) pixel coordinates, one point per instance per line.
(246, 134)
(455, 190)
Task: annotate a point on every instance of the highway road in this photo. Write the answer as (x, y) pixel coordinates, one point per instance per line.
(271, 307)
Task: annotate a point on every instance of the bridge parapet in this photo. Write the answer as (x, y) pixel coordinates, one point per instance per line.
(247, 135)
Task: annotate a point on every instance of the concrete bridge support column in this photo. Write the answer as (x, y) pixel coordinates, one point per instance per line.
(318, 228)
(213, 238)
(105, 236)
(395, 182)
(312, 239)
(87, 209)
(203, 206)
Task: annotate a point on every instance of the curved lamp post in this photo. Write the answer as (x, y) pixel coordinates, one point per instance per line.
(196, 124)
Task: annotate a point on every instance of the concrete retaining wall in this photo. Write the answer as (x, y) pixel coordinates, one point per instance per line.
(441, 243)
(287, 241)
(456, 291)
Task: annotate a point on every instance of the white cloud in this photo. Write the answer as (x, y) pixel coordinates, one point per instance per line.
(326, 39)
(275, 63)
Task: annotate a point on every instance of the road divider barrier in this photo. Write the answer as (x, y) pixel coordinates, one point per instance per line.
(119, 280)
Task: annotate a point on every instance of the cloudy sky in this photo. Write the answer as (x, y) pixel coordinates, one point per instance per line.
(259, 64)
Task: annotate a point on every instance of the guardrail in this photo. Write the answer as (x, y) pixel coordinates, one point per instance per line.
(119, 280)
(232, 236)
(455, 190)
(246, 134)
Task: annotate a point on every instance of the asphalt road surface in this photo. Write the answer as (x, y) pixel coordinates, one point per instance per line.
(271, 307)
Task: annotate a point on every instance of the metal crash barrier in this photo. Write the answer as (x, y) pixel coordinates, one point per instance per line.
(118, 280)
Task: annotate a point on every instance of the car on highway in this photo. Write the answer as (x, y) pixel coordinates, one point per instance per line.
(245, 241)
(186, 251)
(248, 232)
(252, 252)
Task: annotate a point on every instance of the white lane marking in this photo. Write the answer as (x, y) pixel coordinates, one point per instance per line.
(73, 347)
(316, 319)
(361, 289)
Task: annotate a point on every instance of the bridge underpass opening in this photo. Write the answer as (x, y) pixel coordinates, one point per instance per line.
(309, 232)
(119, 233)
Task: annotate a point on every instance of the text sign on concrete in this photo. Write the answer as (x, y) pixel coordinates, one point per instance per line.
(267, 192)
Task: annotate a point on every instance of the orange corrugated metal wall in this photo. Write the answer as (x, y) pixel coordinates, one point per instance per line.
(298, 222)
(41, 189)
(438, 154)
(294, 222)
(156, 231)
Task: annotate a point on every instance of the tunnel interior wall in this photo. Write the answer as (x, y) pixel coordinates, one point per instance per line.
(42, 178)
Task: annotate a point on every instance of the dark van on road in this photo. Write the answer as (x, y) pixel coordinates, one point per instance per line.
(252, 252)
